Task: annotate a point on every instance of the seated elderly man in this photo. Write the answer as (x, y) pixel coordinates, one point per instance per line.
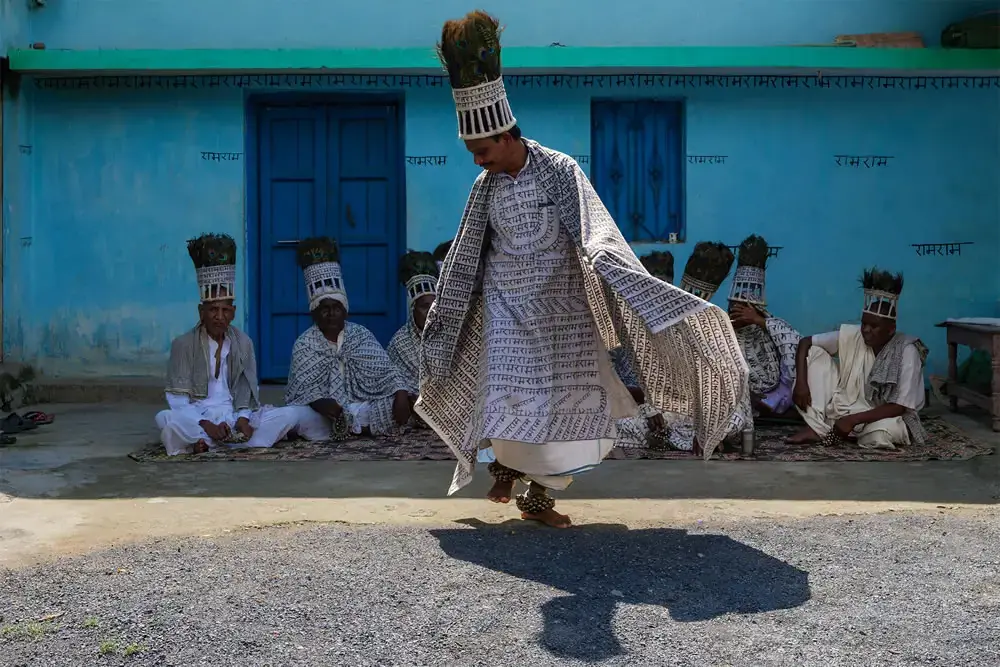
(418, 273)
(341, 378)
(873, 395)
(768, 343)
(212, 387)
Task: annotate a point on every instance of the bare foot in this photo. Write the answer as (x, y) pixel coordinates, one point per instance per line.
(501, 492)
(200, 447)
(549, 518)
(804, 436)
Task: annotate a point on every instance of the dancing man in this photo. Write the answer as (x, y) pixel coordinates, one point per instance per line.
(538, 286)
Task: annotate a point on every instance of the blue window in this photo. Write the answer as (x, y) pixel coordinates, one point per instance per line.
(637, 166)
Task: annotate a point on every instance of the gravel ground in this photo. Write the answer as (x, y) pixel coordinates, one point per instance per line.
(893, 589)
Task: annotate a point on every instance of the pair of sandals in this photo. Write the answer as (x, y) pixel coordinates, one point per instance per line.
(15, 423)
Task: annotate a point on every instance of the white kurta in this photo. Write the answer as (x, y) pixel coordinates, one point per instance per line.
(180, 425)
(838, 390)
(547, 369)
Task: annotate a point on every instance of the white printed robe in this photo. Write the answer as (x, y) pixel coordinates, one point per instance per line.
(520, 360)
(355, 371)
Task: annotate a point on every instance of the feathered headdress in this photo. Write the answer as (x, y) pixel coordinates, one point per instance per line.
(214, 257)
(751, 262)
(418, 273)
(317, 250)
(660, 264)
(441, 252)
(707, 267)
(470, 52)
(319, 258)
(881, 287)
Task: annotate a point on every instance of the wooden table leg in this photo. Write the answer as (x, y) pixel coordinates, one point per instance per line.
(953, 374)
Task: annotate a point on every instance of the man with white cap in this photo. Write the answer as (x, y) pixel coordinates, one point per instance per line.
(212, 386)
(872, 392)
(768, 343)
(537, 287)
(418, 272)
(341, 378)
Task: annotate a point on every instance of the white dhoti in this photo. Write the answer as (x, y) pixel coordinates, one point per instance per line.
(553, 464)
(838, 390)
(314, 426)
(181, 429)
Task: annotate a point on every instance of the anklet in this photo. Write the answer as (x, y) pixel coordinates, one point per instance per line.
(340, 430)
(534, 503)
(502, 473)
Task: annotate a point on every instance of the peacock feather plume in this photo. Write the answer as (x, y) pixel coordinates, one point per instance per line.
(753, 252)
(416, 263)
(317, 250)
(212, 250)
(441, 251)
(882, 281)
(660, 263)
(710, 262)
(470, 49)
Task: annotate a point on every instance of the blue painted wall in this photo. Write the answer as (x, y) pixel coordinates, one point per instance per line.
(172, 24)
(97, 280)
(15, 201)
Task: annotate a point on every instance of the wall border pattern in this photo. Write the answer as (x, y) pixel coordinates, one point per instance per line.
(529, 81)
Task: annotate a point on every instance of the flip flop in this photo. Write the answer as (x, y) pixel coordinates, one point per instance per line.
(39, 417)
(14, 423)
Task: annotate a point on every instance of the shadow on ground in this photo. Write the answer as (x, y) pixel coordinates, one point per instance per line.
(695, 577)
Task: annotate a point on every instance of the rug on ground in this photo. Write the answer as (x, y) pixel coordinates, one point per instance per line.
(945, 442)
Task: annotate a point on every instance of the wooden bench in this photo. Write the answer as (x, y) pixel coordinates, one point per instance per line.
(977, 336)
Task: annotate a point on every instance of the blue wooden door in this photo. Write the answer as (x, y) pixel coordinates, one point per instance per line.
(327, 170)
(363, 212)
(293, 203)
(637, 166)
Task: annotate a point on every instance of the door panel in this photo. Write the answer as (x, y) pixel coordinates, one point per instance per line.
(365, 185)
(292, 201)
(330, 170)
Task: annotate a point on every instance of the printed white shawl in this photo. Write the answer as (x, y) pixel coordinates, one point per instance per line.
(404, 353)
(883, 380)
(367, 376)
(769, 352)
(684, 349)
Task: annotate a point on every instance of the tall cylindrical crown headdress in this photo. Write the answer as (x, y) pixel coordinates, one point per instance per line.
(419, 274)
(470, 52)
(319, 258)
(214, 257)
(882, 290)
(705, 270)
(751, 263)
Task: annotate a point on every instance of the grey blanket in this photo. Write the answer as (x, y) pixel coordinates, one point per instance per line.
(187, 370)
